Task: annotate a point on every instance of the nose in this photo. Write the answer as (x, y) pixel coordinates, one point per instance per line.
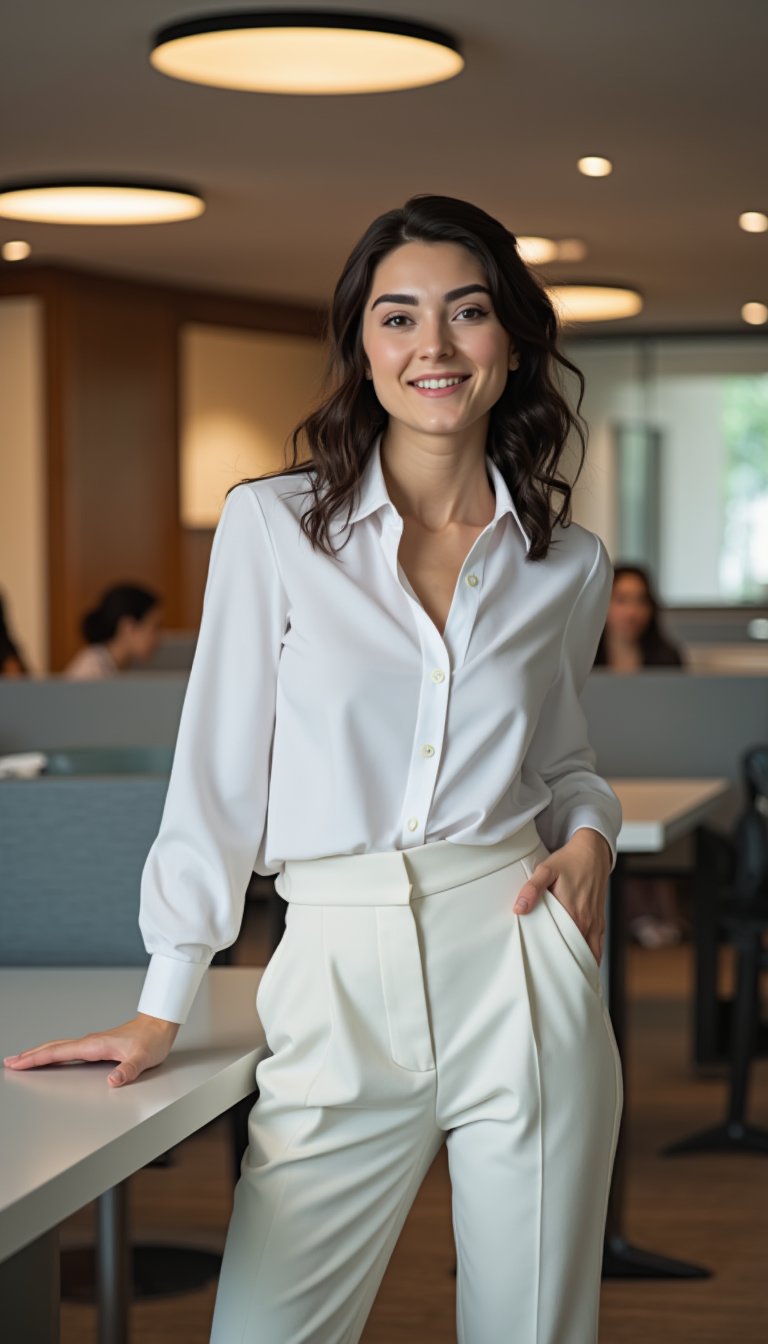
(435, 338)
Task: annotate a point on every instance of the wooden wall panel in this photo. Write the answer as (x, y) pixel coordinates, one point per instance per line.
(119, 434)
(112, 435)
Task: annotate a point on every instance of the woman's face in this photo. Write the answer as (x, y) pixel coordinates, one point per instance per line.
(629, 610)
(416, 325)
(143, 635)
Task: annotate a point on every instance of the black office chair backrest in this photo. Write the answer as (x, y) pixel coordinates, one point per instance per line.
(751, 835)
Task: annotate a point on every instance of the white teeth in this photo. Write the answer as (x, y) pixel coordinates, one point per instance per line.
(434, 383)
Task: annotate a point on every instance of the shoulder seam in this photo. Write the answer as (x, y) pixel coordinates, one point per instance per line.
(255, 495)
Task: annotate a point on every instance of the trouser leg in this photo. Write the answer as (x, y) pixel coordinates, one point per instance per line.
(530, 1092)
(340, 1140)
(314, 1226)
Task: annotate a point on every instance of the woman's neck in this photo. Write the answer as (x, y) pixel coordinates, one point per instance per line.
(438, 479)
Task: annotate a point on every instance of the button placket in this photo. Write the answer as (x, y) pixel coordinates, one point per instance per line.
(464, 612)
(428, 733)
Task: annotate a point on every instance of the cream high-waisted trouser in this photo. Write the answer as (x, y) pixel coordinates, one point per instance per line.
(407, 1006)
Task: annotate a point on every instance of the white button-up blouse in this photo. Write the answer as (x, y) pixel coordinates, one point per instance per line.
(326, 714)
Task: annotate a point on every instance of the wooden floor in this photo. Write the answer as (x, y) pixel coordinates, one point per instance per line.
(710, 1209)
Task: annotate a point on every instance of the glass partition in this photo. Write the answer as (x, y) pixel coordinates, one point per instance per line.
(682, 426)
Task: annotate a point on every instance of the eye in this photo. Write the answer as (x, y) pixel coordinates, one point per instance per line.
(395, 317)
(480, 312)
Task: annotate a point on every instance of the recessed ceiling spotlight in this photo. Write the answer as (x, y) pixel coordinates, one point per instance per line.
(593, 166)
(537, 251)
(16, 250)
(305, 51)
(755, 313)
(586, 302)
(753, 221)
(90, 201)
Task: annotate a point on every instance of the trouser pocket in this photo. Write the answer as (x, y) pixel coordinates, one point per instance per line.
(567, 927)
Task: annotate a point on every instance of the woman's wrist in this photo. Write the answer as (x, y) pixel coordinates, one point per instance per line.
(599, 846)
(161, 1024)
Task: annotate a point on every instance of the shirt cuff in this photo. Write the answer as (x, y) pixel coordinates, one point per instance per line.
(593, 825)
(170, 987)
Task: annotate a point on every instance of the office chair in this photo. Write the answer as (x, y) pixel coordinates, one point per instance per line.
(741, 915)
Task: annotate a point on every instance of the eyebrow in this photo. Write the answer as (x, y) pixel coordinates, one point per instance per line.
(449, 297)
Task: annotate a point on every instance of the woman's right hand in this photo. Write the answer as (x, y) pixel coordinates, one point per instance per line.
(137, 1045)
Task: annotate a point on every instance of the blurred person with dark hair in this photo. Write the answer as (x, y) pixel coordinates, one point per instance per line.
(122, 629)
(11, 662)
(632, 637)
(632, 640)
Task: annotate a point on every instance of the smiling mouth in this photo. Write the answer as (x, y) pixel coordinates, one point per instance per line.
(438, 384)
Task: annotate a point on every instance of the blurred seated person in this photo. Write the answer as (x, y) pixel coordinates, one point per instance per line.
(121, 630)
(11, 662)
(632, 640)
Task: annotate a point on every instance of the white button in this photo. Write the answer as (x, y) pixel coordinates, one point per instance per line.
(473, 580)
(412, 823)
(427, 749)
(438, 674)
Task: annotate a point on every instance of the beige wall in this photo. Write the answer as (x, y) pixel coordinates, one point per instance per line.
(23, 527)
(242, 392)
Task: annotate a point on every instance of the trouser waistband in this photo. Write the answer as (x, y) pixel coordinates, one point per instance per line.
(397, 876)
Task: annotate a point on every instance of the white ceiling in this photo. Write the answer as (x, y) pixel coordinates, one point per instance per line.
(673, 91)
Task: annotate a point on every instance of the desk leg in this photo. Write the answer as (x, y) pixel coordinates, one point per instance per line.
(620, 1259)
(29, 1292)
(113, 1266)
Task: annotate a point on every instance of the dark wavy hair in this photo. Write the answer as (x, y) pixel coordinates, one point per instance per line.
(656, 650)
(529, 424)
(123, 599)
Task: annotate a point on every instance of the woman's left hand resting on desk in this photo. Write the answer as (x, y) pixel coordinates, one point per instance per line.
(140, 1044)
(577, 875)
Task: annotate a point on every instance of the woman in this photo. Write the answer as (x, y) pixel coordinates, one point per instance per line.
(393, 727)
(123, 628)
(632, 637)
(633, 640)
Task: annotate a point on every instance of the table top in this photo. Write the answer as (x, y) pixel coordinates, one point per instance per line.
(658, 811)
(67, 1136)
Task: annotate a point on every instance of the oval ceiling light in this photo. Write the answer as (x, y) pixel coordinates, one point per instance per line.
(753, 221)
(305, 51)
(98, 202)
(756, 314)
(592, 165)
(594, 302)
(16, 250)
(537, 251)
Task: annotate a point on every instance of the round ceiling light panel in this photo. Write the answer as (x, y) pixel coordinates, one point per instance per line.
(305, 52)
(92, 202)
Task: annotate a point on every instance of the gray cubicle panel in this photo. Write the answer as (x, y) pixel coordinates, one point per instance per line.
(37, 714)
(662, 721)
(72, 852)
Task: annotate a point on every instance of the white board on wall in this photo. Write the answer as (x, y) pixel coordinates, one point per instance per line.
(241, 395)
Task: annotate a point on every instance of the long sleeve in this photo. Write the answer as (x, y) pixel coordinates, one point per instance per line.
(195, 876)
(560, 751)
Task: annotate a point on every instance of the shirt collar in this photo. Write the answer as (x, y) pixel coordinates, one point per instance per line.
(374, 494)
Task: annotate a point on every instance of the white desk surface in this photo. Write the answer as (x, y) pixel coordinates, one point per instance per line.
(66, 1136)
(658, 811)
